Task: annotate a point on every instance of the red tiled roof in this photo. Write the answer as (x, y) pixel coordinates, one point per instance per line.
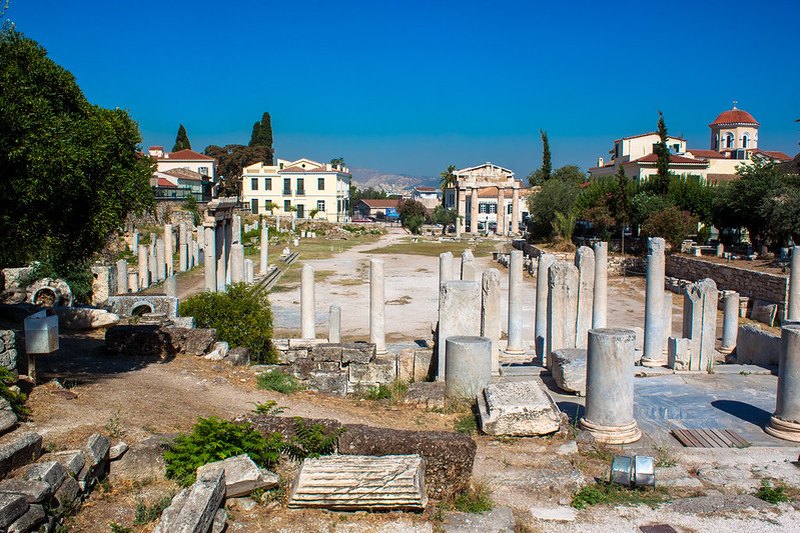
(154, 148)
(673, 159)
(774, 154)
(184, 174)
(491, 192)
(706, 154)
(166, 184)
(185, 155)
(380, 204)
(425, 189)
(735, 116)
(301, 169)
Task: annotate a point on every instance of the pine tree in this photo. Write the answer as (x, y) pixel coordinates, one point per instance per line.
(262, 135)
(547, 167)
(181, 140)
(662, 151)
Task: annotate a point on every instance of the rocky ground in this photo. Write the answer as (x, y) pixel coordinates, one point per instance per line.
(86, 391)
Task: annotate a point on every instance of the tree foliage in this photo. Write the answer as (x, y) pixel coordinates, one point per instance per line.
(558, 194)
(231, 159)
(547, 166)
(445, 217)
(672, 223)
(262, 136)
(447, 180)
(181, 140)
(661, 179)
(412, 215)
(70, 171)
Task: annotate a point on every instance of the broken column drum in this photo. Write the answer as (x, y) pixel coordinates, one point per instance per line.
(335, 324)
(490, 313)
(469, 271)
(307, 303)
(122, 277)
(785, 422)
(515, 304)
(377, 306)
(600, 299)
(562, 306)
(144, 271)
(161, 259)
(459, 314)
(793, 305)
(700, 322)
(445, 267)
(264, 244)
(168, 247)
(730, 321)
(609, 386)
(584, 260)
(545, 262)
(654, 304)
(468, 366)
(237, 263)
(249, 271)
(210, 259)
(184, 251)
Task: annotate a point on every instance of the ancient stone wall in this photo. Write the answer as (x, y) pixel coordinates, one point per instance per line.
(772, 288)
(8, 349)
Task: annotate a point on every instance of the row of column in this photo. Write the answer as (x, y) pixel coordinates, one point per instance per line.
(502, 221)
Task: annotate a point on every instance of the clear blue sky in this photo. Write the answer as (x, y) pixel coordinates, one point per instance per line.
(413, 86)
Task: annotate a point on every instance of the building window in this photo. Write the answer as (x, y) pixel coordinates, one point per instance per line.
(287, 206)
(729, 140)
(508, 210)
(202, 170)
(320, 184)
(267, 184)
(483, 208)
(320, 205)
(716, 142)
(287, 186)
(253, 184)
(301, 188)
(492, 209)
(301, 211)
(254, 206)
(746, 141)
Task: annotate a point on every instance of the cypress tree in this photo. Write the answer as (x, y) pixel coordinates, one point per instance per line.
(262, 135)
(662, 151)
(547, 167)
(181, 140)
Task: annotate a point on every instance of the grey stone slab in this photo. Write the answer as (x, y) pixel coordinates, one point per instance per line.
(520, 409)
(34, 491)
(757, 346)
(554, 514)
(72, 460)
(34, 516)
(569, 369)
(51, 472)
(19, 451)
(194, 510)
(97, 449)
(242, 475)
(12, 506)
(68, 493)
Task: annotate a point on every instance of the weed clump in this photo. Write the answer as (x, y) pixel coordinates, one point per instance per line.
(771, 494)
(148, 513)
(608, 493)
(278, 381)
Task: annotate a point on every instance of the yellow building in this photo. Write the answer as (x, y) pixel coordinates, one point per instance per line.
(298, 188)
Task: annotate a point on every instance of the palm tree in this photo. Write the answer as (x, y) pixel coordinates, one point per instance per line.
(447, 180)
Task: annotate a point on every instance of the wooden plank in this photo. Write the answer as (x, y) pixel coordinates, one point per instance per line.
(686, 438)
(737, 439)
(719, 434)
(705, 440)
(713, 442)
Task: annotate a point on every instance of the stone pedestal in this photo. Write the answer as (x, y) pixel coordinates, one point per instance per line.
(335, 324)
(237, 263)
(514, 345)
(562, 306)
(700, 322)
(730, 321)
(584, 260)
(377, 306)
(609, 387)
(134, 244)
(490, 313)
(793, 305)
(307, 302)
(468, 366)
(169, 247)
(264, 244)
(600, 300)
(502, 225)
(654, 305)
(133, 280)
(122, 277)
(542, 291)
(785, 423)
(152, 263)
(518, 409)
(445, 267)
(469, 272)
(209, 259)
(459, 314)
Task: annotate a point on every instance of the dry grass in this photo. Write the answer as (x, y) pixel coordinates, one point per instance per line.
(434, 248)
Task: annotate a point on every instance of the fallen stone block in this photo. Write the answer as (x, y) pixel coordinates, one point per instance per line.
(51, 472)
(518, 409)
(97, 449)
(764, 312)
(679, 353)
(569, 370)
(190, 341)
(218, 351)
(12, 506)
(242, 475)
(19, 452)
(357, 482)
(117, 451)
(28, 521)
(327, 352)
(7, 417)
(448, 456)
(554, 514)
(139, 341)
(423, 359)
(68, 493)
(72, 460)
(333, 382)
(79, 318)
(239, 356)
(220, 521)
(193, 510)
(358, 352)
(286, 426)
(144, 459)
(34, 491)
(427, 394)
(362, 375)
(755, 346)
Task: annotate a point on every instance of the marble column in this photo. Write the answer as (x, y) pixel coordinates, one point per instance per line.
(609, 387)
(562, 307)
(264, 244)
(469, 368)
(490, 313)
(161, 259)
(469, 270)
(542, 291)
(185, 250)
(473, 211)
(307, 302)
(666, 325)
(730, 321)
(514, 345)
(584, 261)
(377, 306)
(194, 252)
(501, 212)
(793, 305)
(237, 263)
(209, 258)
(171, 286)
(459, 314)
(228, 228)
(133, 280)
(600, 302)
(461, 204)
(144, 269)
(700, 322)
(236, 230)
(515, 210)
(169, 250)
(122, 277)
(249, 271)
(335, 324)
(654, 304)
(134, 247)
(785, 422)
(445, 267)
(222, 257)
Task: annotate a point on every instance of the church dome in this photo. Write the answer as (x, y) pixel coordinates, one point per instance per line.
(734, 116)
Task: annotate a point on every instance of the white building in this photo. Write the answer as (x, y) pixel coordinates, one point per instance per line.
(181, 173)
(427, 196)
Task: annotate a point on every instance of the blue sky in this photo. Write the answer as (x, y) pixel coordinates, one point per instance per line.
(413, 86)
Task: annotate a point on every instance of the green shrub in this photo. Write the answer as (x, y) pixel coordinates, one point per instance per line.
(15, 399)
(213, 439)
(77, 274)
(771, 494)
(147, 513)
(278, 381)
(311, 441)
(241, 316)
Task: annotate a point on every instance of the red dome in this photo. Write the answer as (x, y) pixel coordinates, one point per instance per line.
(735, 116)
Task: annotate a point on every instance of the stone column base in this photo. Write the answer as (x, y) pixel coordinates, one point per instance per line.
(726, 350)
(652, 363)
(511, 351)
(783, 429)
(611, 434)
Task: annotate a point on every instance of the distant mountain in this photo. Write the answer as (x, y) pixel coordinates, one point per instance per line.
(391, 183)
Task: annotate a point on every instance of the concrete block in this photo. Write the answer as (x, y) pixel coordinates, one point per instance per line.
(519, 409)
